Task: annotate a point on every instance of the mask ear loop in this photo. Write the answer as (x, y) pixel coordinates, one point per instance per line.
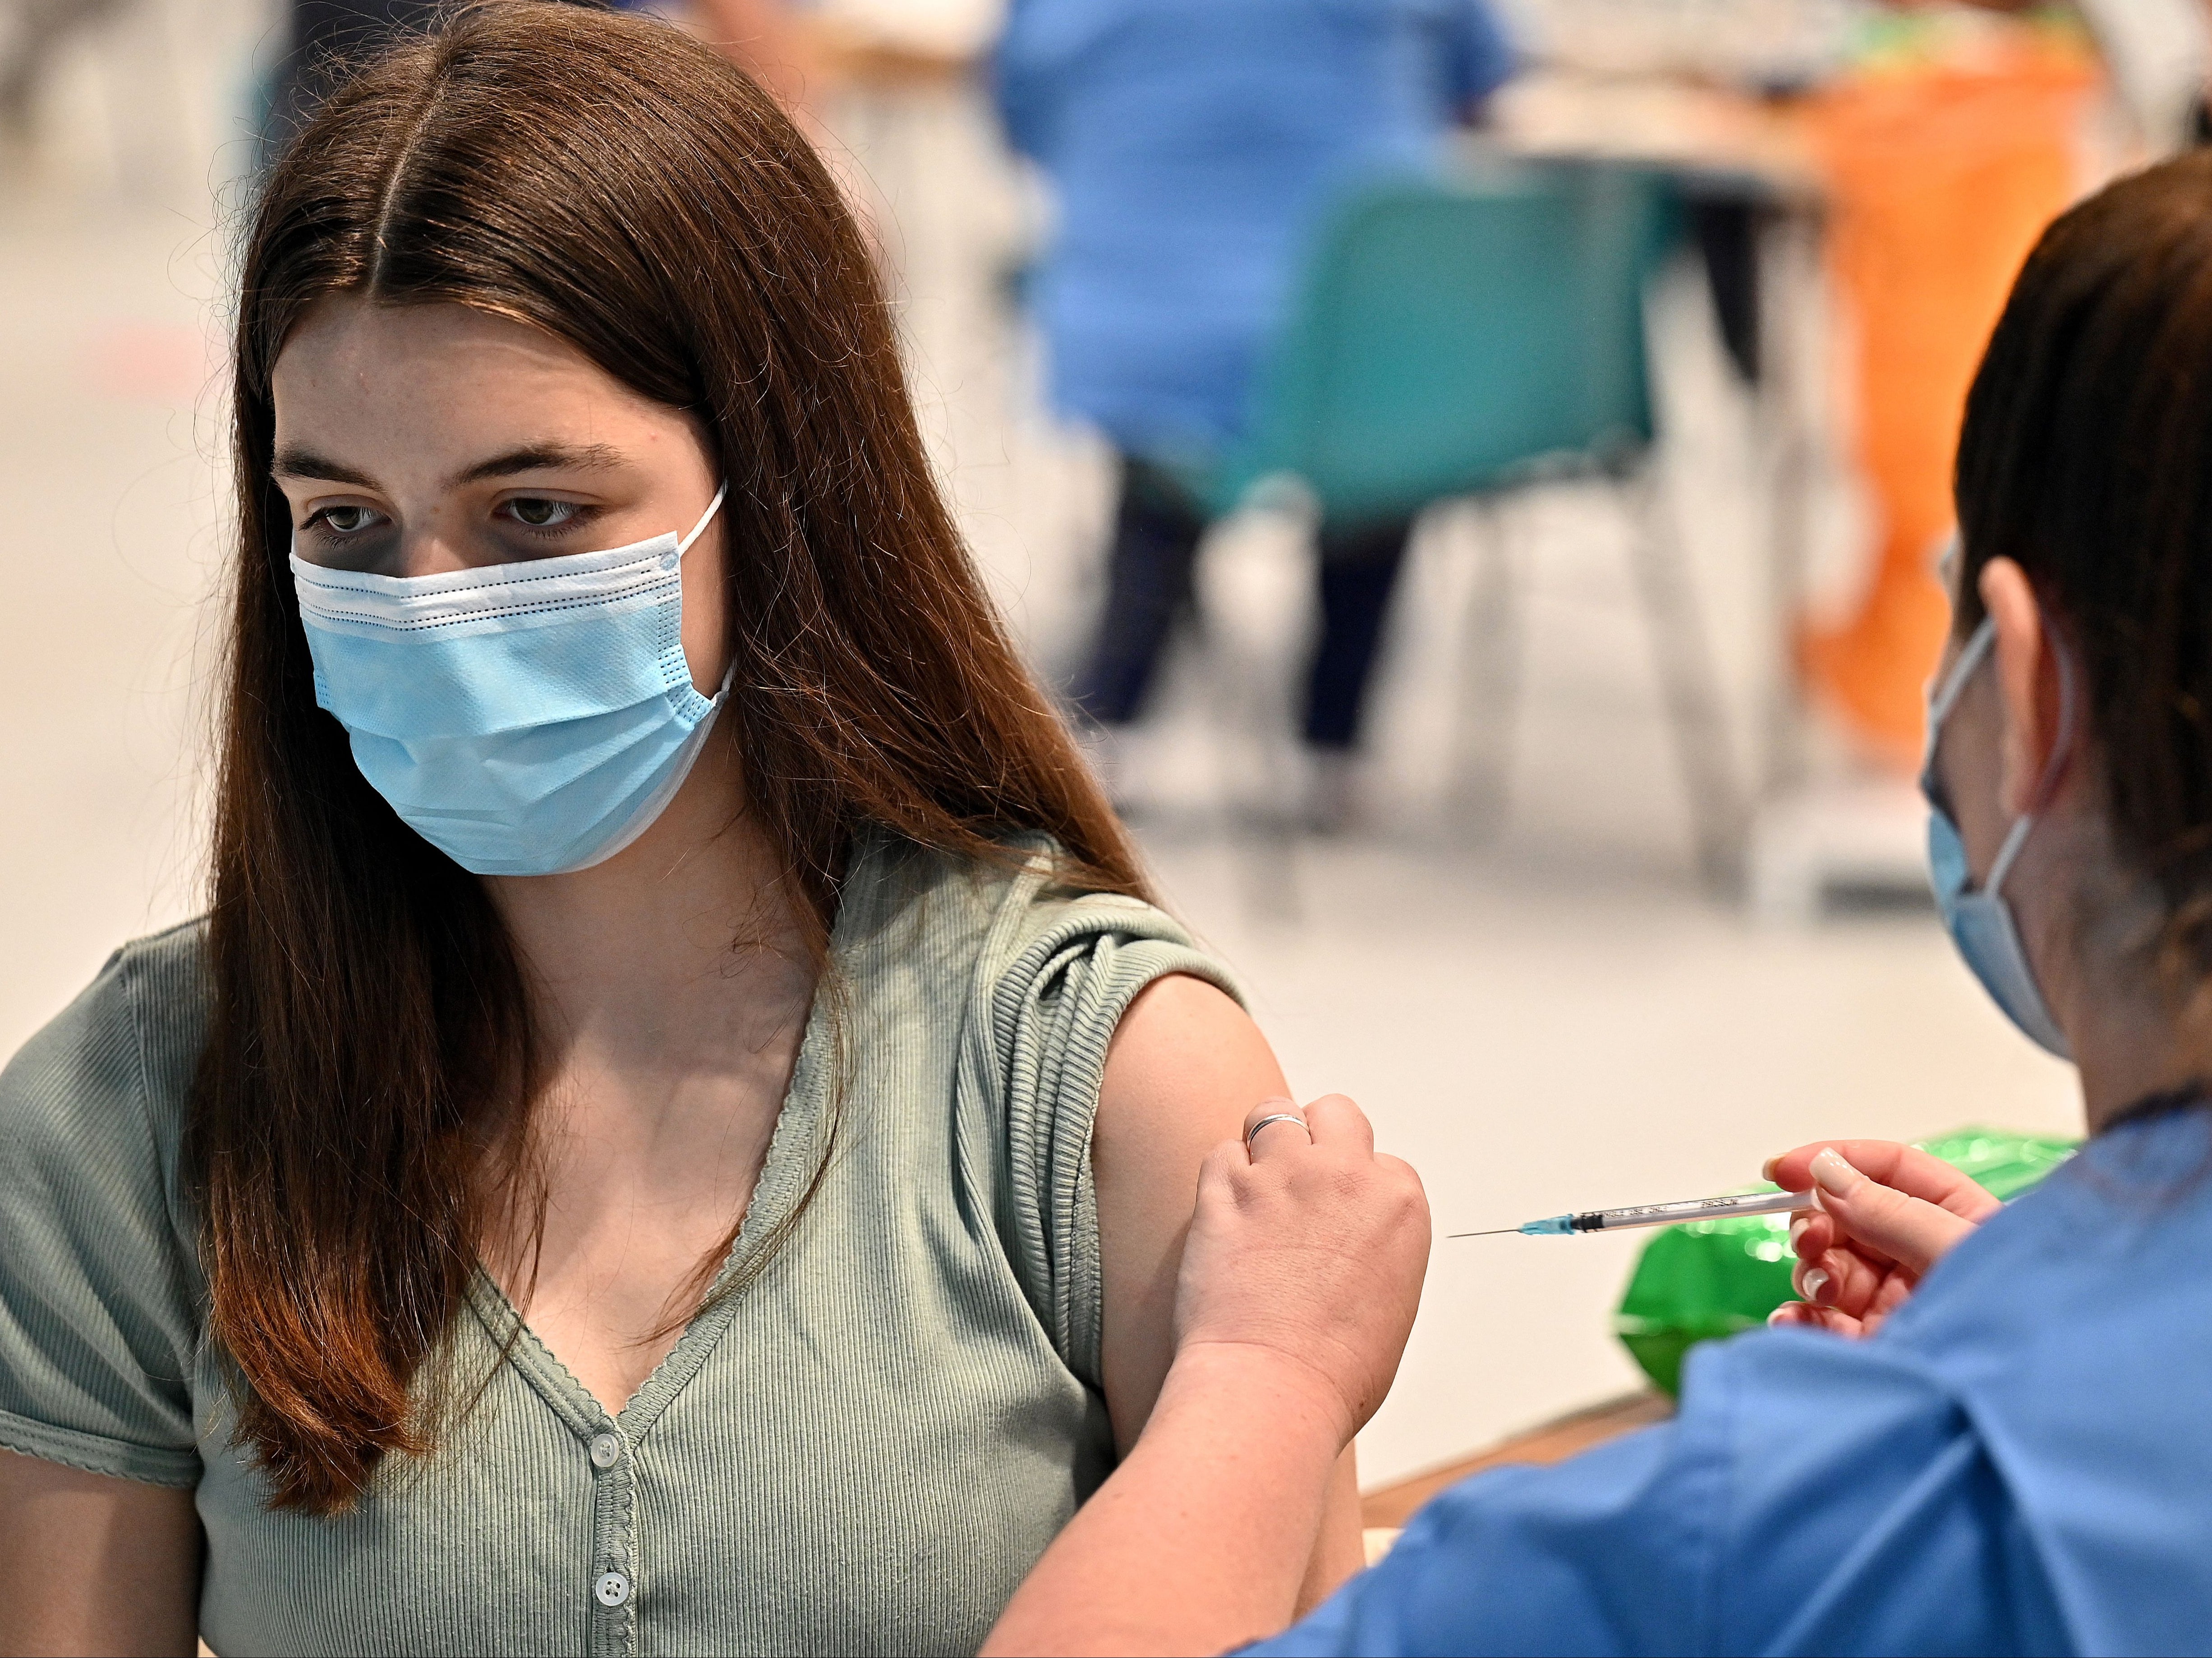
(1944, 696)
(705, 518)
(2046, 785)
(730, 675)
(1954, 683)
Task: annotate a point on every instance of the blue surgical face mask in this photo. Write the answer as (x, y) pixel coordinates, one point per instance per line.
(524, 719)
(1981, 923)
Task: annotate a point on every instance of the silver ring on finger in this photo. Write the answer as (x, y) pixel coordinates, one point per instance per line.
(1253, 1133)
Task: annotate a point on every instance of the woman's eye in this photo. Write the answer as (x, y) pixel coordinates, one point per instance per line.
(347, 520)
(536, 513)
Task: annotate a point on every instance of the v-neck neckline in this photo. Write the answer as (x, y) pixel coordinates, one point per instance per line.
(786, 1174)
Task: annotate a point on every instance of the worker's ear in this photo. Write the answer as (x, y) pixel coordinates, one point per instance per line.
(2031, 694)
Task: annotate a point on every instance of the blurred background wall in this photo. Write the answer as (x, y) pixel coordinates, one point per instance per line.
(1543, 997)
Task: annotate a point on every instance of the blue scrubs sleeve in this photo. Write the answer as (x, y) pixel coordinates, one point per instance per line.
(1815, 1496)
(1606, 1553)
(1022, 83)
(1480, 57)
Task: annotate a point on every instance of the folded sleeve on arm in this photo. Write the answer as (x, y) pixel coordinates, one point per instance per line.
(1075, 967)
(98, 1313)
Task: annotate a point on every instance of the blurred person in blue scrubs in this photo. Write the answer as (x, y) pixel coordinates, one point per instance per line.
(1984, 1430)
(1192, 148)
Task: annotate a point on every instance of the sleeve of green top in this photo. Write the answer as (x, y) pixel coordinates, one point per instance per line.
(1053, 1013)
(98, 1325)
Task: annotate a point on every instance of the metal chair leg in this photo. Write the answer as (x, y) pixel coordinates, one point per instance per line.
(1688, 680)
(1478, 792)
(1256, 775)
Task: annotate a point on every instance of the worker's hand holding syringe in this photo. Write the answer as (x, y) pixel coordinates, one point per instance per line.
(1887, 1212)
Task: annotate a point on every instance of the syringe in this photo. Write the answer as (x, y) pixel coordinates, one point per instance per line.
(1653, 1214)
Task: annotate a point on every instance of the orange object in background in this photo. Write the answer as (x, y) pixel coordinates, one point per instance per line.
(1940, 180)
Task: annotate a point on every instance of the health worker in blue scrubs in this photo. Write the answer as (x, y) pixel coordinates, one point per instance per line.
(1192, 149)
(1988, 1428)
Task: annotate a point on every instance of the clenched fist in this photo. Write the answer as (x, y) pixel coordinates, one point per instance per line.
(1307, 1250)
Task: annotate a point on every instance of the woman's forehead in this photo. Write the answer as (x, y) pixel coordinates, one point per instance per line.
(350, 334)
(385, 381)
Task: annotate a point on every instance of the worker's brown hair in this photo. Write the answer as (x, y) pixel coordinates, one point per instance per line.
(2086, 458)
(612, 181)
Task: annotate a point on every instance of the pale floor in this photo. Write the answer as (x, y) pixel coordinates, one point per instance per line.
(1557, 1019)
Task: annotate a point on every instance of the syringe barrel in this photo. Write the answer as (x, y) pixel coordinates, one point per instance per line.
(1669, 1214)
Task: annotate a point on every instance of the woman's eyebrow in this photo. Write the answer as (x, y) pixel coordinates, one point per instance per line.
(297, 461)
(544, 457)
(294, 461)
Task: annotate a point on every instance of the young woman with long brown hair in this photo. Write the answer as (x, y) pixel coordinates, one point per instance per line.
(677, 1130)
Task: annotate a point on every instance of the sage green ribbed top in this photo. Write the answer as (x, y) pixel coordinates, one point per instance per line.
(862, 1448)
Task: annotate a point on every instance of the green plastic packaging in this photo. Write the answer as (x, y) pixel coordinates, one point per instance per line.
(1709, 1278)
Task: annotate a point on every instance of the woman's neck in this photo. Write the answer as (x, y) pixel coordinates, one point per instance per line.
(2131, 1039)
(671, 986)
(2127, 1053)
(685, 947)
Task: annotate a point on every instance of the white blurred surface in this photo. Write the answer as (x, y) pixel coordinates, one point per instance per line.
(1558, 1018)
(113, 485)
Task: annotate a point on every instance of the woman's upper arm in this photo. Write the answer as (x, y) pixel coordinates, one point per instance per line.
(1185, 1065)
(97, 1564)
(98, 1330)
(100, 1322)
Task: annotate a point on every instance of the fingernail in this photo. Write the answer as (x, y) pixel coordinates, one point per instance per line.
(1835, 1176)
(1785, 1313)
(1797, 1229)
(1766, 1168)
(1813, 1284)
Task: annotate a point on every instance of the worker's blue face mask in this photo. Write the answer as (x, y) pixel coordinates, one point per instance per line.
(524, 719)
(1981, 923)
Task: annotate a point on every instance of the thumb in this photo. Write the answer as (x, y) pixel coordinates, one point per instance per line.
(1911, 1231)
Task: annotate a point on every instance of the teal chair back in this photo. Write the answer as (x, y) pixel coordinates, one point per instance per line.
(1450, 335)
